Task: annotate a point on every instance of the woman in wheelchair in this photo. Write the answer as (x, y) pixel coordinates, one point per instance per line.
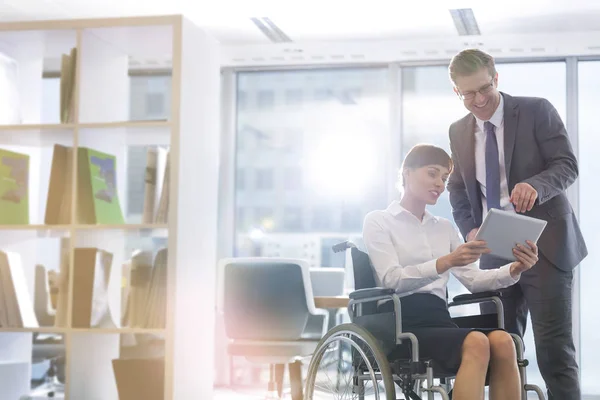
(414, 252)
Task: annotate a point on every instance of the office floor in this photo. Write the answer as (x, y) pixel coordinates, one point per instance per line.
(251, 394)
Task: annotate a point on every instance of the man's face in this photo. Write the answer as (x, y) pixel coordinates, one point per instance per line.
(479, 93)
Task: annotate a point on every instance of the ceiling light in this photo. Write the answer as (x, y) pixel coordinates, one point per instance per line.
(465, 22)
(270, 30)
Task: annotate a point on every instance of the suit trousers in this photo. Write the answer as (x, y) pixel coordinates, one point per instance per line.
(546, 292)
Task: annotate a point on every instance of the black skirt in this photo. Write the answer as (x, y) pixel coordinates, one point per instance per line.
(440, 339)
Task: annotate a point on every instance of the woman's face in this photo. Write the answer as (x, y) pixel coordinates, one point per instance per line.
(426, 183)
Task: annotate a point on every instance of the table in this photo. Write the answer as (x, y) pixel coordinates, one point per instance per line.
(331, 301)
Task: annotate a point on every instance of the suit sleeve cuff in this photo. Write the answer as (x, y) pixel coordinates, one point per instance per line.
(505, 278)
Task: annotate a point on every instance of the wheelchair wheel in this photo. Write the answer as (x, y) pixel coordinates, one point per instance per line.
(349, 364)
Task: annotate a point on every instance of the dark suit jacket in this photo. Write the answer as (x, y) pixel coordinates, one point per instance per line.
(537, 150)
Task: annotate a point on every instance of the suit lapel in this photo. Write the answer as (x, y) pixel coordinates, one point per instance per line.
(511, 118)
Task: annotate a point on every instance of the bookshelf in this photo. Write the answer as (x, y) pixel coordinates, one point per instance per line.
(87, 246)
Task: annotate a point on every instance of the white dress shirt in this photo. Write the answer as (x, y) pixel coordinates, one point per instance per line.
(404, 252)
(498, 120)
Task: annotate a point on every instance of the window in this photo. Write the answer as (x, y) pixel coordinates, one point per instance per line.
(265, 99)
(264, 179)
(322, 219)
(322, 94)
(293, 178)
(352, 218)
(150, 97)
(263, 217)
(293, 97)
(589, 165)
(430, 106)
(321, 152)
(242, 100)
(292, 219)
(240, 181)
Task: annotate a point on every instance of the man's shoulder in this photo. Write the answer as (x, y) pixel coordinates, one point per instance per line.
(460, 123)
(527, 101)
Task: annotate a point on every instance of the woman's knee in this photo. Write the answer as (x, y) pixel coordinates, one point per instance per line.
(476, 348)
(502, 346)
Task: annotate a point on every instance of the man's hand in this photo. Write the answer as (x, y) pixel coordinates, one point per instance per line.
(523, 197)
(464, 254)
(527, 257)
(471, 235)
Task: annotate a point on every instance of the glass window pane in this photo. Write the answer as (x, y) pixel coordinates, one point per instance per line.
(429, 107)
(314, 155)
(589, 165)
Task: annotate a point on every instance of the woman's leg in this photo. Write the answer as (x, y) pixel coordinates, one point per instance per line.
(505, 382)
(470, 379)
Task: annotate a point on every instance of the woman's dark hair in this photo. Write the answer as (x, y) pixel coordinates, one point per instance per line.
(422, 155)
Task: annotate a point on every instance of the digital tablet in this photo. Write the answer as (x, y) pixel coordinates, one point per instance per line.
(502, 230)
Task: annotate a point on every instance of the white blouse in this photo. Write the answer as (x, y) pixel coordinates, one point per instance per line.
(404, 252)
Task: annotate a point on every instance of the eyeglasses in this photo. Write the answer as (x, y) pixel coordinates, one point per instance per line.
(471, 95)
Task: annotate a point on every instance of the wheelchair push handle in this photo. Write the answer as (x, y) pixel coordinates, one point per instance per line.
(343, 246)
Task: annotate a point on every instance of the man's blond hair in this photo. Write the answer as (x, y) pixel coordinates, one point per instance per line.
(468, 62)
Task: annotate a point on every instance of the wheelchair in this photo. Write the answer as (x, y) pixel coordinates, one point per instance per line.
(371, 357)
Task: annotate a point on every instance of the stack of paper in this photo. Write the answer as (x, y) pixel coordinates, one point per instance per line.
(90, 288)
(147, 291)
(156, 186)
(67, 86)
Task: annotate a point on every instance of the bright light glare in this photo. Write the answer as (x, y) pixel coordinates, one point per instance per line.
(342, 166)
(256, 234)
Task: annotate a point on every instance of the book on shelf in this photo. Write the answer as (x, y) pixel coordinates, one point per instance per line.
(147, 291)
(155, 178)
(97, 195)
(44, 299)
(91, 275)
(59, 200)
(14, 188)
(137, 288)
(67, 86)
(16, 306)
(139, 378)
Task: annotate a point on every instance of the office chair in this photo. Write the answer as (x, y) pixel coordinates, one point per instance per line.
(266, 303)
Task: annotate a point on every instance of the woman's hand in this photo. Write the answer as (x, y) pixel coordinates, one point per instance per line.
(527, 257)
(464, 254)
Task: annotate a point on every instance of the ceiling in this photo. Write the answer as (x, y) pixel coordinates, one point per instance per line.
(338, 32)
(309, 21)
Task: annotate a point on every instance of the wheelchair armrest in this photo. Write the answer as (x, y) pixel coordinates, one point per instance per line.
(482, 297)
(472, 297)
(371, 292)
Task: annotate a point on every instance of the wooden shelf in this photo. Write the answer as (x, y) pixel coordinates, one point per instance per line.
(37, 127)
(122, 227)
(41, 329)
(124, 124)
(34, 227)
(119, 331)
(100, 110)
(50, 329)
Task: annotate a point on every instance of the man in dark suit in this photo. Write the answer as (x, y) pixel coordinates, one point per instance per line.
(513, 153)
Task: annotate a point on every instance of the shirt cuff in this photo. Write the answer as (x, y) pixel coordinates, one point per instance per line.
(505, 278)
(429, 269)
